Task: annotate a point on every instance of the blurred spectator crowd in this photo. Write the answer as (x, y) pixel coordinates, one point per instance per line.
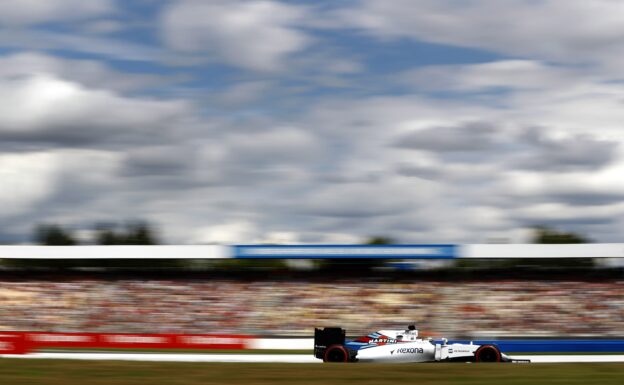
(438, 308)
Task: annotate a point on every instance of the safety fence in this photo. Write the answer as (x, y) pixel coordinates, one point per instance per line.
(24, 342)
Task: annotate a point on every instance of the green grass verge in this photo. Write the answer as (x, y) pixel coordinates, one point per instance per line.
(66, 372)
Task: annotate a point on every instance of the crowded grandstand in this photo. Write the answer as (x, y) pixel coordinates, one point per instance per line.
(459, 307)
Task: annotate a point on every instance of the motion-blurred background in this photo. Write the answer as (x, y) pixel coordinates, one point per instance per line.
(457, 298)
(196, 122)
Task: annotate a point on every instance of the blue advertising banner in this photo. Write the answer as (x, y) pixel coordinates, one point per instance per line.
(554, 346)
(346, 251)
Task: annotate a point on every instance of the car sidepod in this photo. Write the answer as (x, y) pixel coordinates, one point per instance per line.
(417, 351)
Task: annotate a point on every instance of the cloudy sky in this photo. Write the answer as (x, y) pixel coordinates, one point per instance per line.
(325, 121)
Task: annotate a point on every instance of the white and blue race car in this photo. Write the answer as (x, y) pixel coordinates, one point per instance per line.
(330, 345)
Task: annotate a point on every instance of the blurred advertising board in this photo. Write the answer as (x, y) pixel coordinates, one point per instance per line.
(13, 344)
(40, 340)
(345, 251)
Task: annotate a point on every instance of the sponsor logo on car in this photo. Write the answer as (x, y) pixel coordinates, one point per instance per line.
(382, 341)
(408, 351)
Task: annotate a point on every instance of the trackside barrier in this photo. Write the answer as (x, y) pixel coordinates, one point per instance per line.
(40, 340)
(282, 343)
(555, 346)
(13, 344)
(24, 342)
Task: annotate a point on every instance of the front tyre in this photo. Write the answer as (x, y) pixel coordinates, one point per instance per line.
(488, 353)
(336, 353)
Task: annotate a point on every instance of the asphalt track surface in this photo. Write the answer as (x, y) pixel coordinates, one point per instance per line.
(273, 358)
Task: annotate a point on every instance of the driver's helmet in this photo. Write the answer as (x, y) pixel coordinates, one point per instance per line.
(411, 330)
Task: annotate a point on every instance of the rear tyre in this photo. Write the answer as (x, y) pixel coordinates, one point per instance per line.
(336, 353)
(488, 353)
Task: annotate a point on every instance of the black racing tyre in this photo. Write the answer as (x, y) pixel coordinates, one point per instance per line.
(488, 353)
(336, 353)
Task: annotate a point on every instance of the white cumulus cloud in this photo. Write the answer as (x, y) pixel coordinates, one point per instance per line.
(26, 12)
(46, 108)
(256, 35)
(27, 179)
(574, 31)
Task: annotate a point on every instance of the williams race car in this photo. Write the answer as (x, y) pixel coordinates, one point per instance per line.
(330, 345)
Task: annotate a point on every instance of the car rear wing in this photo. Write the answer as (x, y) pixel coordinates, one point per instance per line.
(326, 337)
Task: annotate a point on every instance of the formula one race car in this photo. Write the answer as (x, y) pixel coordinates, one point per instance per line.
(330, 345)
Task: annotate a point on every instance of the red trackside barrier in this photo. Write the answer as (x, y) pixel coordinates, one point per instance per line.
(38, 340)
(13, 344)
